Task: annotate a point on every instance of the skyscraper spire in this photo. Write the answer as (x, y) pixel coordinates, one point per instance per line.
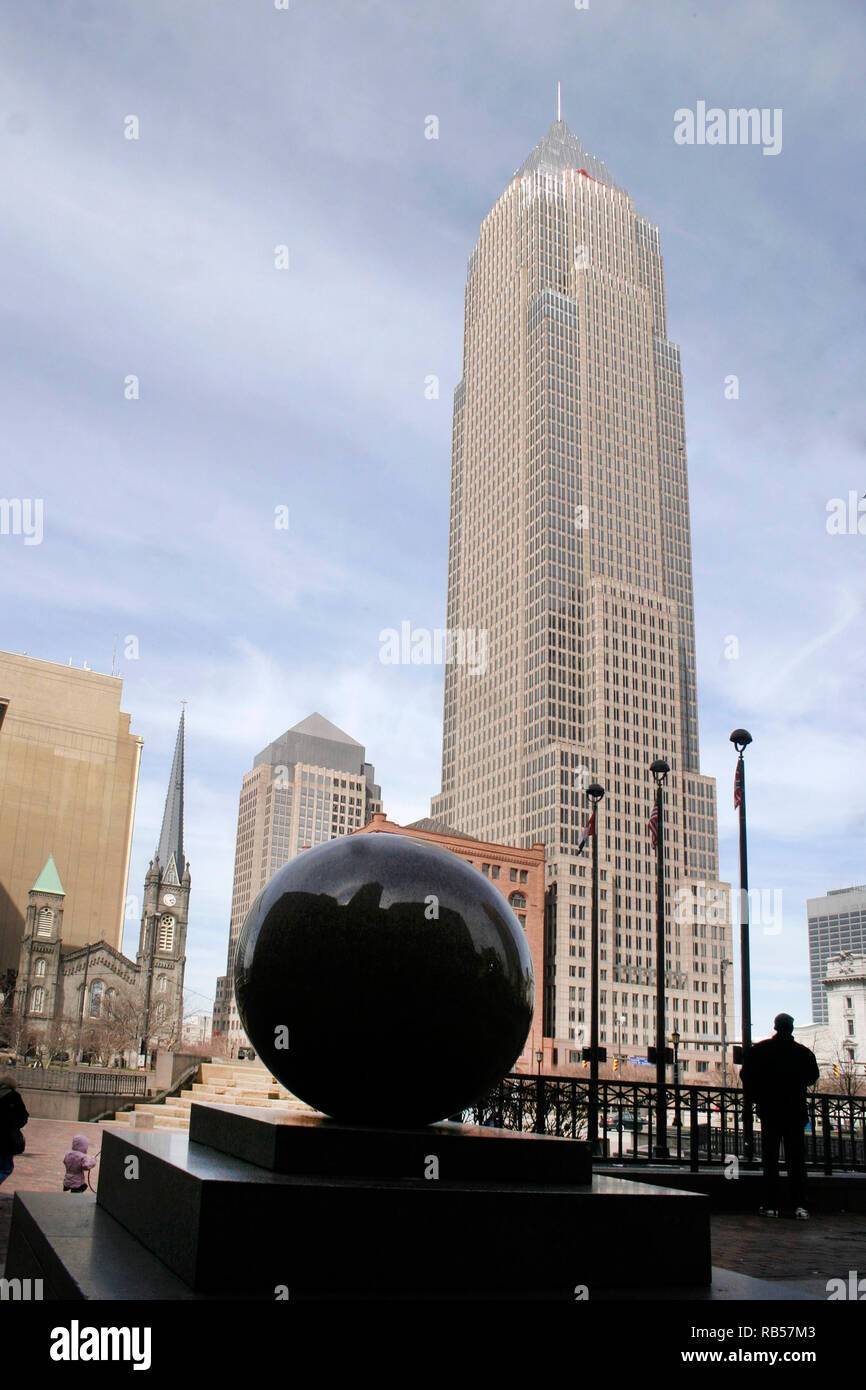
(171, 837)
(561, 149)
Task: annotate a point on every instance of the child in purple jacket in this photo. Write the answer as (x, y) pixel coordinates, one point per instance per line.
(77, 1165)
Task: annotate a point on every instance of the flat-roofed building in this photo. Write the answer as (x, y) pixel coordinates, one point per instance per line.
(311, 784)
(837, 922)
(68, 780)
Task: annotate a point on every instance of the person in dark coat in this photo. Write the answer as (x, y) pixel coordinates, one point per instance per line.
(775, 1075)
(13, 1118)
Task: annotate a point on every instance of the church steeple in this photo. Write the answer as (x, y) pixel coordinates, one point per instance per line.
(170, 848)
(49, 880)
(161, 955)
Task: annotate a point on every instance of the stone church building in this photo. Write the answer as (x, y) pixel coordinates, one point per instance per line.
(68, 990)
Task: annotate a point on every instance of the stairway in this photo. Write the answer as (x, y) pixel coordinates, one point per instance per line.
(226, 1083)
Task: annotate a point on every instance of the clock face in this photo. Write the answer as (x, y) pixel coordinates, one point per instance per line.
(169, 900)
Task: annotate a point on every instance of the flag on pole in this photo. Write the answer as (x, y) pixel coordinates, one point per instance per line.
(588, 829)
(738, 784)
(653, 826)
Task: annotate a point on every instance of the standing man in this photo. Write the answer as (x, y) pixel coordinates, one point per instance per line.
(775, 1075)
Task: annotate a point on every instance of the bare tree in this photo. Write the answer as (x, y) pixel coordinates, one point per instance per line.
(97, 1040)
(123, 1021)
(219, 1045)
(49, 1040)
(844, 1078)
(10, 1019)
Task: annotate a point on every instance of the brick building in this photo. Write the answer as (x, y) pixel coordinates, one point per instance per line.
(519, 875)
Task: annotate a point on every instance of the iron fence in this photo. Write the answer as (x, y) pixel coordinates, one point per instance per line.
(704, 1123)
(106, 1083)
(83, 1083)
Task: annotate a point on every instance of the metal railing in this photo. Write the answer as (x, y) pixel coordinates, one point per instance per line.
(83, 1083)
(106, 1083)
(704, 1123)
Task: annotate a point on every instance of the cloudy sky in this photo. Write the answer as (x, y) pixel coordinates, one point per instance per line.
(303, 388)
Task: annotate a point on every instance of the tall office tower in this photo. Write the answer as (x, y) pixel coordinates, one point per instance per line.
(570, 548)
(310, 785)
(68, 780)
(837, 922)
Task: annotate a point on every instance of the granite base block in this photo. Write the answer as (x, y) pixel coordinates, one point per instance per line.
(286, 1141)
(221, 1223)
(80, 1252)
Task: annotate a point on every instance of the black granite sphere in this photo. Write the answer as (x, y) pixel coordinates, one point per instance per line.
(384, 980)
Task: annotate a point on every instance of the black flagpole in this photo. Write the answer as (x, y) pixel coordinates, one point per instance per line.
(741, 738)
(660, 770)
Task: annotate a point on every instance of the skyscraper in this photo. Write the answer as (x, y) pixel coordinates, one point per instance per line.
(570, 547)
(68, 780)
(837, 922)
(310, 785)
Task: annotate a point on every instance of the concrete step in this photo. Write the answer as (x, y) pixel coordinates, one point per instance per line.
(238, 1083)
(154, 1119)
(241, 1083)
(151, 1118)
(217, 1071)
(229, 1097)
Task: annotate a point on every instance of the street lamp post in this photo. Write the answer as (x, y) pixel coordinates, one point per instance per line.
(675, 1039)
(539, 1095)
(741, 738)
(660, 770)
(723, 965)
(595, 792)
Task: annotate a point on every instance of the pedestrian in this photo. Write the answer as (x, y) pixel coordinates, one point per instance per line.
(77, 1165)
(13, 1118)
(775, 1074)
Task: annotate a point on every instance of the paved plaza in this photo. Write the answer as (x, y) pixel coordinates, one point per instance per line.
(796, 1256)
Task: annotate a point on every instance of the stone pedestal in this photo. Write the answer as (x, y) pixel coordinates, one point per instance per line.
(267, 1204)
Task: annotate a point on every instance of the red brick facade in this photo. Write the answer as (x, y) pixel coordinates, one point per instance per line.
(515, 872)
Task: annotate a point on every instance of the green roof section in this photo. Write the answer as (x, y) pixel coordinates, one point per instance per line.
(49, 880)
